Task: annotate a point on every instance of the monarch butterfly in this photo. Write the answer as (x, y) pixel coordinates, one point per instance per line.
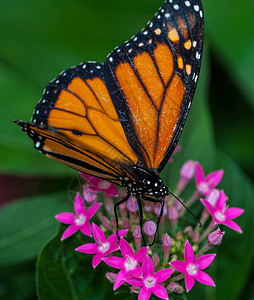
(121, 120)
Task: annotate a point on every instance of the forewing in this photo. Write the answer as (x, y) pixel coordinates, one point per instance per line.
(76, 123)
(152, 79)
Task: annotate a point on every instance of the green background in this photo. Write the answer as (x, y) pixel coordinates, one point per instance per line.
(39, 39)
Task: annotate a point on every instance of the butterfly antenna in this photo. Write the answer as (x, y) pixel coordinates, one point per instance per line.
(200, 224)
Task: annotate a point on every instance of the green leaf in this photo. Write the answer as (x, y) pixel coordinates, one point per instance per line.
(63, 273)
(26, 225)
(229, 25)
(22, 283)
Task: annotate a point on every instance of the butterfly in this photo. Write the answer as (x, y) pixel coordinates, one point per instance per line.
(121, 120)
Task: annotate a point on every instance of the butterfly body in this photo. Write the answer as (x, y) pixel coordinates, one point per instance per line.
(121, 120)
(146, 182)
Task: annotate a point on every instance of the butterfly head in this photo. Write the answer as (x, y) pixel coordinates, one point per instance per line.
(146, 182)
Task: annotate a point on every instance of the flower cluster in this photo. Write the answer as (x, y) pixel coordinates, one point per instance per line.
(178, 259)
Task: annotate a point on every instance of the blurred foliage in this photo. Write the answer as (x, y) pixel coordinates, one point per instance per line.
(41, 38)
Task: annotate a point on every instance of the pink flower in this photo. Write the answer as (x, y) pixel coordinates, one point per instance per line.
(78, 220)
(192, 269)
(100, 185)
(129, 263)
(205, 185)
(221, 214)
(103, 246)
(150, 282)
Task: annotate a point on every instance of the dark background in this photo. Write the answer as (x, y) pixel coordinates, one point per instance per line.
(39, 39)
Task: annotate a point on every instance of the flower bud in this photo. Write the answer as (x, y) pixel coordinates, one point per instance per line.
(109, 204)
(179, 236)
(174, 287)
(155, 260)
(111, 277)
(166, 243)
(106, 223)
(150, 229)
(215, 237)
(213, 197)
(186, 174)
(137, 237)
(173, 215)
(157, 209)
(126, 224)
(132, 205)
(195, 236)
(149, 207)
(188, 230)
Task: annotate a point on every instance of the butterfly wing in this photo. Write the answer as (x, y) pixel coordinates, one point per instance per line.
(75, 122)
(152, 78)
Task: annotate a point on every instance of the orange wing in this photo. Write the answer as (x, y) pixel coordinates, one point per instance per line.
(76, 123)
(103, 119)
(152, 79)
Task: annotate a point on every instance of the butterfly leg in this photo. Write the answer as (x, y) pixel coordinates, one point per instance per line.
(141, 219)
(161, 201)
(115, 211)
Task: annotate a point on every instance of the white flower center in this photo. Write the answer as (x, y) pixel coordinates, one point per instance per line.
(203, 187)
(192, 269)
(80, 220)
(104, 247)
(219, 216)
(104, 184)
(149, 282)
(130, 264)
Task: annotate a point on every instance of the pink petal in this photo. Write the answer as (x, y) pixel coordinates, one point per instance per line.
(141, 254)
(65, 217)
(69, 231)
(98, 234)
(221, 201)
(144, 294)
(137, 272)
(113, 248)
(126, 249)
(179, 265)
(91, 179)
(233, 212)
(147, 267)
(92, 210)
(89, 195)
(88, 248)
(188, 253)
(214, 178)
(163, 275)
(189, 282)
(112, 191)
(113, 237)
(204, 261)
(114, 261)
(204, 278)
(120, 279)
(134, 281)
(159, 291)
(232, 225)
(96, 260)
(199, 175)
(86, 229)
(208, 206)
(79, 205)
